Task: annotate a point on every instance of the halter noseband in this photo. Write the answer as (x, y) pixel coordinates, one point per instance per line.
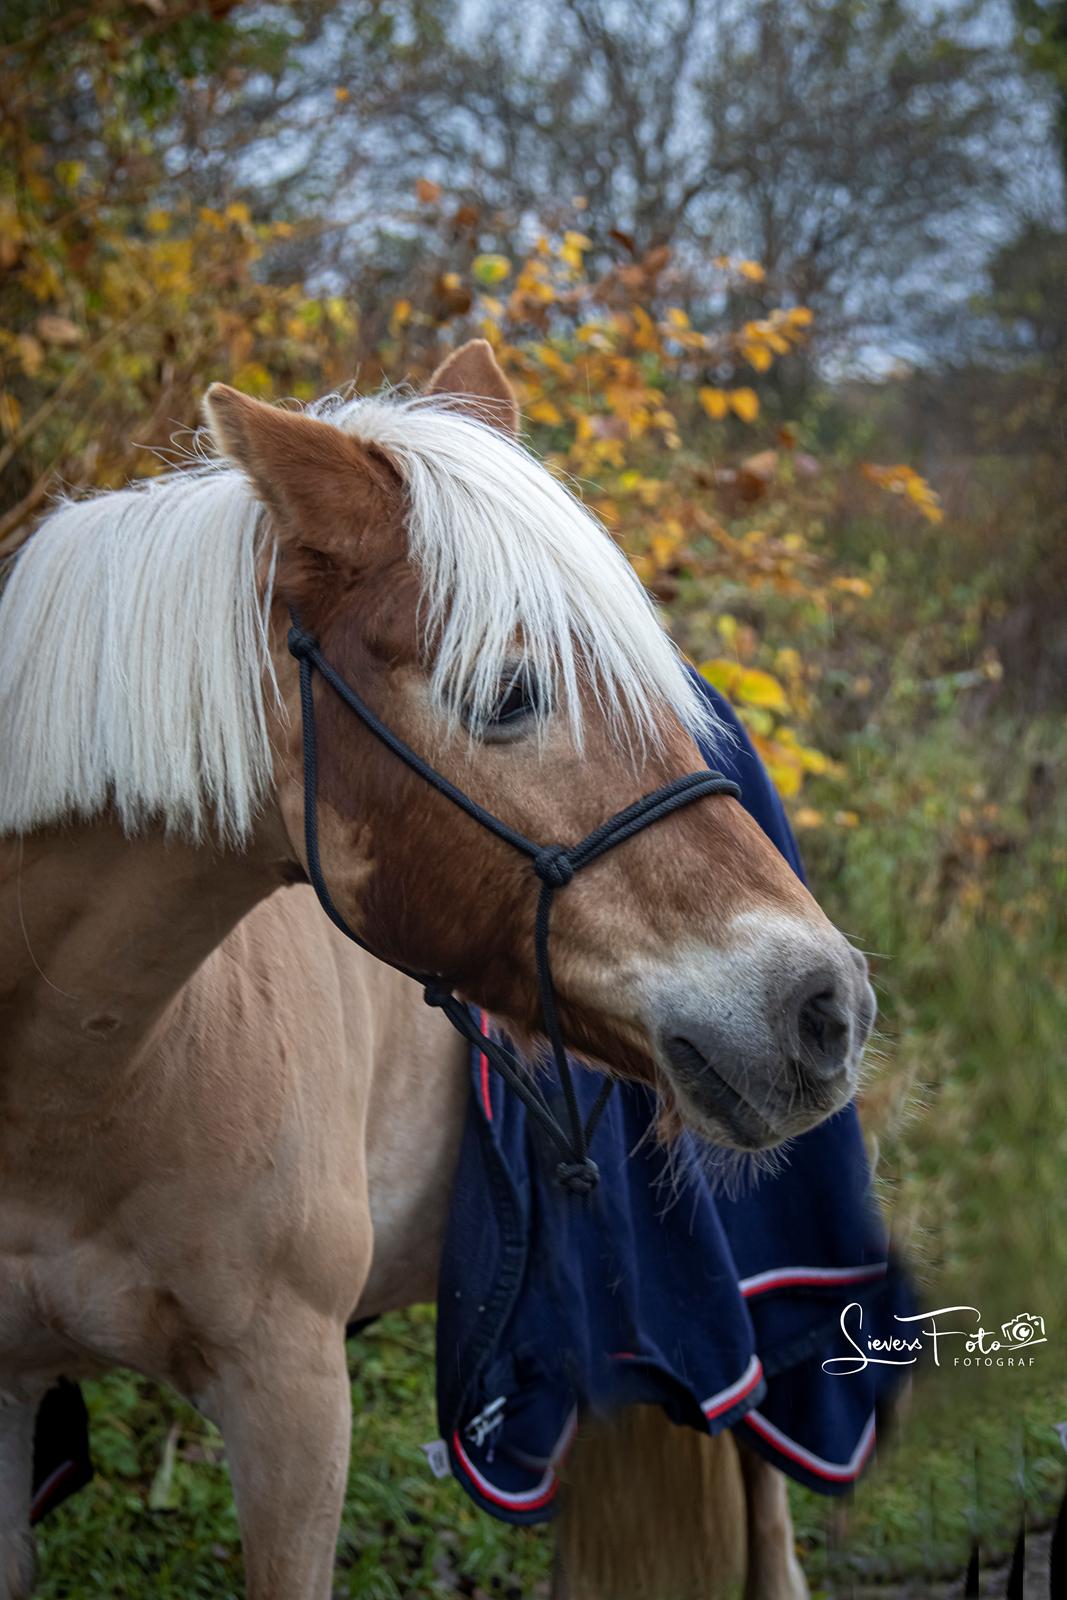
(554, 865)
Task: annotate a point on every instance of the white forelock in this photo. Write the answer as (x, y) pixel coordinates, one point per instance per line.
(134, 661)
(512, 564)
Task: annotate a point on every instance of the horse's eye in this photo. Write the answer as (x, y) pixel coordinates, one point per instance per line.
(516, 701)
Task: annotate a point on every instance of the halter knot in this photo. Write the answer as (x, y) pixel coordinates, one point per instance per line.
(436, 993)
(578, 1177)
(554, 866)
(301, 643)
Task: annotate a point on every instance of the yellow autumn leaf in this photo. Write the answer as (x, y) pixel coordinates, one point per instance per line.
(490, 269)
(157, 221)
(760, 688)
(758, 356)
(856, 586)
(801, 316)
(10, 413)
(664, 547)
(544, 411)
(552, 359)
(750, 685)
(745, 403)
(253, 378)
(752, 271)
(719, 673)
(807, 817)
(904, 480)
(759, 721)
(813, 760)
(623, 400)
(787, 778)
(715, 402)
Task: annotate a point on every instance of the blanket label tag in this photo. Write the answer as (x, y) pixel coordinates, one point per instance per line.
(436, 1453)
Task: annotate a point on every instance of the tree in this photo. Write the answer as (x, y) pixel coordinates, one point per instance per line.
(123, 289)
(1044, 47)
(864, 153)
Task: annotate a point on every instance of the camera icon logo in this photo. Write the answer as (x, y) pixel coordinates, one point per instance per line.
(1026, 1328)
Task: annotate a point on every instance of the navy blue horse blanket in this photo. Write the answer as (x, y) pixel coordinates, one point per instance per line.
(658, 1288)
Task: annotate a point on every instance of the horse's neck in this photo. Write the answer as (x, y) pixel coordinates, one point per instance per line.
(99, 934)
(165, 998)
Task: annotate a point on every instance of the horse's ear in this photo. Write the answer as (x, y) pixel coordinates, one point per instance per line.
(472, 376)
(322, 484)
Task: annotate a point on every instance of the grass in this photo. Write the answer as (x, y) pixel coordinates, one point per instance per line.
(957, 874)
(158, 1519)
(964, 1465)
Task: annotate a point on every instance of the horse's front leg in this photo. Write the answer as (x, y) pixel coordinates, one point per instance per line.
(285, 1412)
(17, 1414)
(773, 1571)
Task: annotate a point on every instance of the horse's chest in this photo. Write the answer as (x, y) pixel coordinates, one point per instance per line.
(77, 1297)
(63, 1298)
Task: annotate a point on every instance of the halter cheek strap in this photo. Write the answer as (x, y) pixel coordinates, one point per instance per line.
(554, 865)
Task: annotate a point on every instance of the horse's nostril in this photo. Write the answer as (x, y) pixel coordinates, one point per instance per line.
(823, 1031)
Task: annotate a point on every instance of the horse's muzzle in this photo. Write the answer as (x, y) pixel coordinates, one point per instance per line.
(770, 1043)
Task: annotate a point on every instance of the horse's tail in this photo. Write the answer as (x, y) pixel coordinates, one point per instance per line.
(651, 1512)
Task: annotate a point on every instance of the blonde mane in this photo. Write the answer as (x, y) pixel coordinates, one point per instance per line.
(134, 659)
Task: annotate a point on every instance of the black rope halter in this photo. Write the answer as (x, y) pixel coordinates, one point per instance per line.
(554, 865)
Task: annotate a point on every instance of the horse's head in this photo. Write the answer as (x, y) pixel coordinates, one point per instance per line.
(496, 628)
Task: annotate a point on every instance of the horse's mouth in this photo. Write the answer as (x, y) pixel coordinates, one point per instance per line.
(709, 1093)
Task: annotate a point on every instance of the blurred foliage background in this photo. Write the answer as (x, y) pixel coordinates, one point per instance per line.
(781, 289)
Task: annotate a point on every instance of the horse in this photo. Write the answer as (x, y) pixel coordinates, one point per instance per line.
(225, 1129)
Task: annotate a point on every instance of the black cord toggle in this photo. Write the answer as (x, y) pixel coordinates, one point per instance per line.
(554, 866)
(436, 994)
(301, 643)
(578, 1177)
